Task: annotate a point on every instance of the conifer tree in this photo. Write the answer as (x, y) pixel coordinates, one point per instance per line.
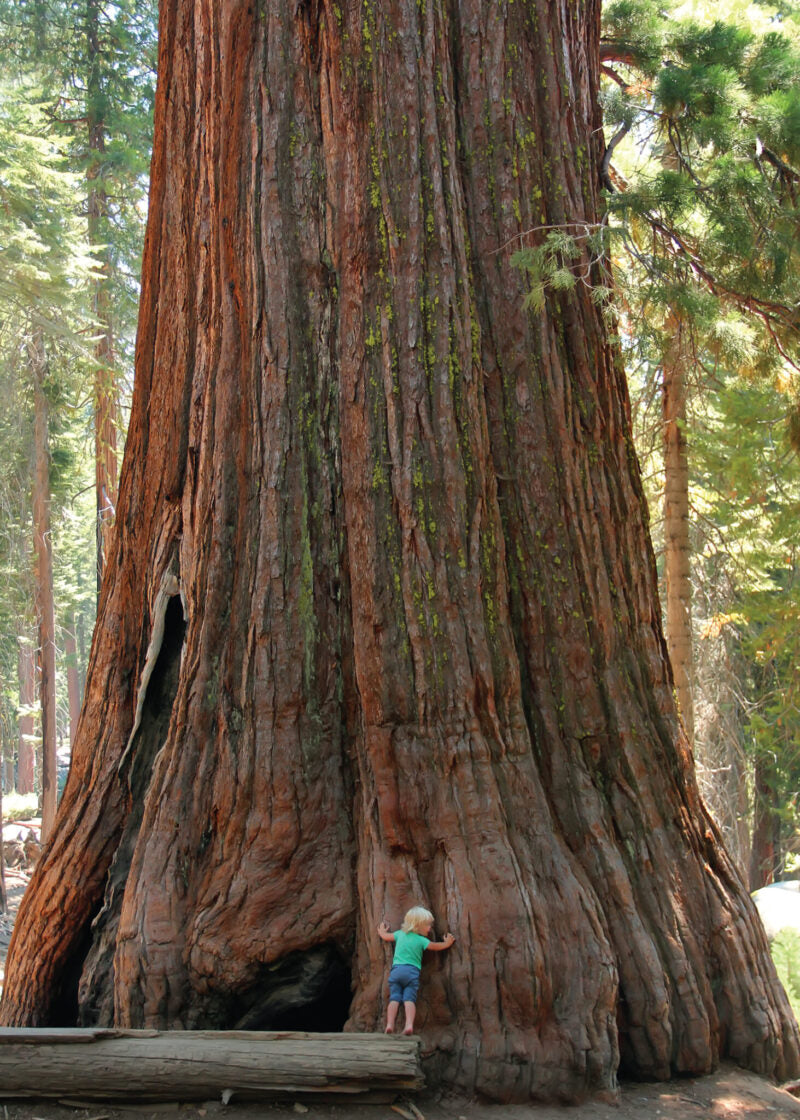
(93, 66)
(100, 63)
(709, 225)
(44, 270)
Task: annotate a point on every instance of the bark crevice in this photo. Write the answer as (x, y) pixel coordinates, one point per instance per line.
(154, 709)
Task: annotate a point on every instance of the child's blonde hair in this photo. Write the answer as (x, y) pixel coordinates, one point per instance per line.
(417, 919)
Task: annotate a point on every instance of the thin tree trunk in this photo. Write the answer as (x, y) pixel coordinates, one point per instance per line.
(106, 418)
(677, 546)
(723, 764)
(766, 857)
(43, 579)
(3, 890)
(105, 388)
(82, 658)
(26, 751)
(10, 752)
(380, 621)
(9, 766)
(73, 679)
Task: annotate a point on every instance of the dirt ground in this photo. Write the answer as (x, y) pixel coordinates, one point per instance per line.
(729, 1094)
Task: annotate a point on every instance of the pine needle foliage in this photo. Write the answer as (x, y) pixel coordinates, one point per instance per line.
(44, 258)
(57, 86)
(707, 215)
(702, 177)
(45, 272)
(96, 64)
(703, 230)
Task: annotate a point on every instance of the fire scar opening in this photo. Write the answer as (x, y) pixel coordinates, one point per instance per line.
(303, 991)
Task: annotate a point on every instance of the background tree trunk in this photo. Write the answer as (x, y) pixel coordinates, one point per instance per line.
(73, 678)
(766, 857)
(106, 418)
(724, 764)
(26, 752)
(380, 622)
(3, 890)
(105, 388)
(9, 766)
(677, 546)
(43, 582)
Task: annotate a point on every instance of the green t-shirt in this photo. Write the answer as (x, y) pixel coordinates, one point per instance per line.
(409, 947)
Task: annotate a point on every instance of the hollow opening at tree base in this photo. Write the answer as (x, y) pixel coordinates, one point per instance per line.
(304, 991)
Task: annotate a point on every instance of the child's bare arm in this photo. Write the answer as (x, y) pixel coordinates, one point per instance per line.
(437, 946)
(385, 933)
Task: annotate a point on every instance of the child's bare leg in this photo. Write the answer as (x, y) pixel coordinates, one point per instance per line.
(411, 1011)
(391, 1015)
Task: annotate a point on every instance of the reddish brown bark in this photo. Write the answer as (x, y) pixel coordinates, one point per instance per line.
(26, 751)
(380, 621)
(43, 586)
(677, 545)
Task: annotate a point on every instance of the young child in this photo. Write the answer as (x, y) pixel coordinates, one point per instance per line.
(410, 942)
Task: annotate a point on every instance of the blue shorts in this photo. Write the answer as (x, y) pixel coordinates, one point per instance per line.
(403, 983)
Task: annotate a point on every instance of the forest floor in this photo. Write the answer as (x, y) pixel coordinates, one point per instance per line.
(729, 1094)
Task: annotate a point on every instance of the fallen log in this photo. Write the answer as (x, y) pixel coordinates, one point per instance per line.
(109, 1064)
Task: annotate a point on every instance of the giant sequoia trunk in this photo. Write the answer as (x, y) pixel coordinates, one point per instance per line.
(379, 623)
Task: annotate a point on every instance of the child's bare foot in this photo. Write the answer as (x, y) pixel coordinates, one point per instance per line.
(389, 1030)
(408, 1030)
